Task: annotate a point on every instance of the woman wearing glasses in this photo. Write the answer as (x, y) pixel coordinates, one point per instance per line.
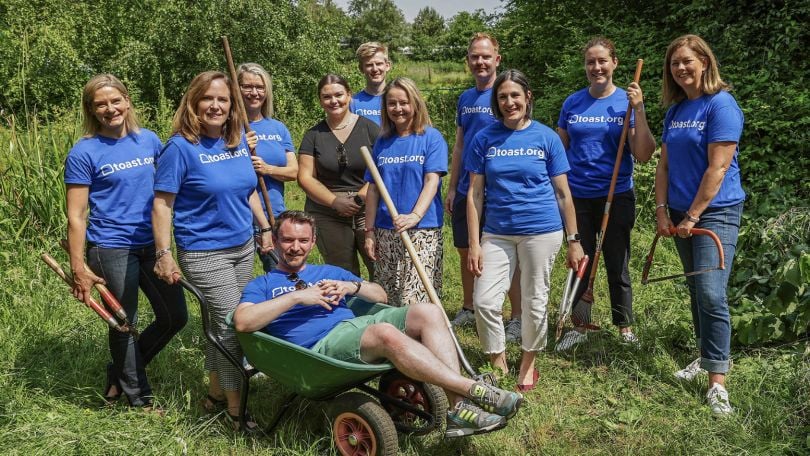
(275, 156)
(331, 170)
(411, 156)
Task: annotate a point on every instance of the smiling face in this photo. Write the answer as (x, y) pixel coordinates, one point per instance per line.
(110, 108)
(254, 92)
(375, 68)
(687, 68)
(599, 66)
(483, 60)
(293, 242)
(334, 99)
(400, 110)
(512, 103)
(213, 108)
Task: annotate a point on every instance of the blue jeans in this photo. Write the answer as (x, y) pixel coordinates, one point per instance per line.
(127, 270)
(707, 292)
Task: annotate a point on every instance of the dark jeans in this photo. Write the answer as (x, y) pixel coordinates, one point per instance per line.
(268, 262)
(126, 271)
(340, 239)
(707, 292)
(615, 248)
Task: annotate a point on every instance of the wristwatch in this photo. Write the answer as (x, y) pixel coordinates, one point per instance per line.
(573, 237)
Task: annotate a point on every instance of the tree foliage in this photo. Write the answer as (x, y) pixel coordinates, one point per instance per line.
(459, 30)
(377, 20)
(428, 26)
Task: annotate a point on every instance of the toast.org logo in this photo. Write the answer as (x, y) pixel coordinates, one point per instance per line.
(222, 156)
(110, 168)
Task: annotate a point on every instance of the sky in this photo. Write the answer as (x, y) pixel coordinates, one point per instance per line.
(447, 8)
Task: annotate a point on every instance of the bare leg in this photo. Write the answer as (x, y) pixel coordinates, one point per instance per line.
(498, 361)
(526, 375)
(718, 378)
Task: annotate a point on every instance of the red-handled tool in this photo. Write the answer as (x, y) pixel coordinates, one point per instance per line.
(694, 232)
(569, 292)
(91, 303)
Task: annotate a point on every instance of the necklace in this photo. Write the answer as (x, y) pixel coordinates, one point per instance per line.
(341, 127)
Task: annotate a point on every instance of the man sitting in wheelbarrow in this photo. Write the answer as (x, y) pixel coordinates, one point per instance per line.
(306, 304)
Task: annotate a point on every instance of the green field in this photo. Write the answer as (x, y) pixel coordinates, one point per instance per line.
(605, 398)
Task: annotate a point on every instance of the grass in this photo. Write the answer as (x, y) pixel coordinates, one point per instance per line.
(604, 398)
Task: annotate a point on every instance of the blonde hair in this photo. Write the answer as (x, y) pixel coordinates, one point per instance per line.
(421, 119)
(90, 123)
(710, 81)
(367, 51)
(186, 122)
(258, 70)
(478, 36)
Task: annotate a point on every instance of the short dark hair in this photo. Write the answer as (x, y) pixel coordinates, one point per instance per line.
(518, 78)
(293, 217)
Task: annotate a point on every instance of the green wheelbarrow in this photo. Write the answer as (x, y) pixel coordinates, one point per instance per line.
(364, 419)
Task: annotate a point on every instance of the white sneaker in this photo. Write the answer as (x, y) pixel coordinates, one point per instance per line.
(718, 400)
(464, 317)
(630, 338)
(691, 371)
(512, 330)
(571, 338)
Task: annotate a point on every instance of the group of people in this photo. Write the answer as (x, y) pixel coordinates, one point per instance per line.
(518, 191)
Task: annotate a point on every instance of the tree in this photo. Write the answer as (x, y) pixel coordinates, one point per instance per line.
(377, 20)
(428, 25)
(459, 30)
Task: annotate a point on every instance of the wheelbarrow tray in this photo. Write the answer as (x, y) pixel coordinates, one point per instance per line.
(303, 371)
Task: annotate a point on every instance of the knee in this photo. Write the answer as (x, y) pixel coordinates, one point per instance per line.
(386, 337)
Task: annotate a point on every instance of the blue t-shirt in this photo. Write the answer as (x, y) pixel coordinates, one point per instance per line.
(301, 325)
(274, 143)
(403, 163)
(594, 127)
(473, 114)
(212, 185)
(119, 174)
(689, 127)
(368, 106)
(518, 166)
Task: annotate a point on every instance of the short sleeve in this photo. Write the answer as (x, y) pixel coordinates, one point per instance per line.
(255, 291)
(374, 154)
(171, 168)
(308, 143)
(474, 162)
(557, 160)
(436, 154)
(667, 118)
(561, 121)
(78, 167)
(373, 130)
(286, 138)
(724, 120)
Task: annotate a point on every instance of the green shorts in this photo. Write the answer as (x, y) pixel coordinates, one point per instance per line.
(343, 341)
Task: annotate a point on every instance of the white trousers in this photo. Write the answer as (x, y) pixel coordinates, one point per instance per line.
(501, 256)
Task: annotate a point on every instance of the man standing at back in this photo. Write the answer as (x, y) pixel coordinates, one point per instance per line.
(372, 58)
(474, 113)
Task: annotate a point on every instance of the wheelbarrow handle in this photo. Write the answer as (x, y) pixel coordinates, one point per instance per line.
(674, 231)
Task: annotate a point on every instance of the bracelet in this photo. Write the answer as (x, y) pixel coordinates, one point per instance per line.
(368, 230)
(640, 108)
(692, 219)
(358, 287)
(162, 252)
(266, 230)
(664, 205)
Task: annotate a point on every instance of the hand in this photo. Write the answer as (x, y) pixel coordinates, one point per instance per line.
(684, 228)
(266, 242)
(252, 139)
(324, 294)
(371, 245)
(83, 282)
(345, 206)
(259, 165)
(664, 223)
(338, 288)
(575, 255)
(635, 96)
(475, 260)
(404, 222)
(166, 269)
(449, 199)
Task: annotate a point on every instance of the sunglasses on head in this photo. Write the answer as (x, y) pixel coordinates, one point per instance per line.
(300, 284)
(343, 159)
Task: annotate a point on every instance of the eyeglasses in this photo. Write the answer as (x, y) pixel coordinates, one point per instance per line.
(343, 159)
(300, 284)
(247, 88)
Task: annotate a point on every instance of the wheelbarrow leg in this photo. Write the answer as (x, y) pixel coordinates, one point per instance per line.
(285, 405)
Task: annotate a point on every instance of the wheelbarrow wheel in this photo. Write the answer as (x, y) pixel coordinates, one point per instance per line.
(361, 427)
(423, 396)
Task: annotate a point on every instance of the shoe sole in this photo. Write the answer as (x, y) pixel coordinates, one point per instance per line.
(514, 411)
(463, 432)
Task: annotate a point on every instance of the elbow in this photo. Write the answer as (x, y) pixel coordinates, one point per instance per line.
(240, 322)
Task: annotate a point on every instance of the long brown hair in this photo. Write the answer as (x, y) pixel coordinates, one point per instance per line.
(710, 80)
(90, 124)
(186, 122)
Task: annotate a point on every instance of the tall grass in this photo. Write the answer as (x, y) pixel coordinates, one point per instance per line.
(604, 398)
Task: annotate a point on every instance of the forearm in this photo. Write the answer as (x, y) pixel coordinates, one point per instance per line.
(372, 292)
(661, 180)
(565, 203)
(429, 189)
(76, 234)
(260, 219)
(709, 186)
(161, 223)
(316, 191)
(372, 201)
(475, 204)
(286, 173)
(455, 160)
(642, 143)
(251, 317)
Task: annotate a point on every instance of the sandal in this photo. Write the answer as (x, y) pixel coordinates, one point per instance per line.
(213, 405)
(252, 426)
